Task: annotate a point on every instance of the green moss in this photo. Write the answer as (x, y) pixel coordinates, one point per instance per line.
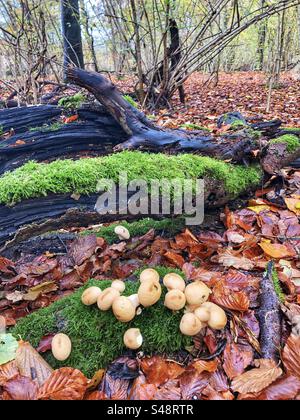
(292, 142)
(82, 176)
(170, 226)
(72, 102)
(237, 124)
(191, 126)
(1, 130)
(130, 100)
(47, 128)
(277, 286)
(97, 337)
(292, 129)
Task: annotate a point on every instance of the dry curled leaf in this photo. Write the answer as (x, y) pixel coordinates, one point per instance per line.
(31, 364)
(158, 371)
(64, 384)
(8, 372)
(236, 360)
(257, 379)
(21, 388)
(229, 260)
(277, 250)
(291, 355)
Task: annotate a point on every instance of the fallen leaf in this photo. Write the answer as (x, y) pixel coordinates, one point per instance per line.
(236, 360)
(286, 388)
(277, 250)
(64, 384)
(229, 260)
(291, 356)
(21, 388)
(7, 372)
(8, 347)
(257, 379)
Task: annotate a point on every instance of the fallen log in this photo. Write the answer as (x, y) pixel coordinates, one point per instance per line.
(269, 317)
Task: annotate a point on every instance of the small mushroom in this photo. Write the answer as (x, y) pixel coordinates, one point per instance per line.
(218, 318)
(175, 300)
(190, 324)
(149, 293)
(122, 232)
(203, 314)
(134, 299)
(123, 309)
(133, 338)
(107, 297)
(118, 285)
(61, 347)
(174, 281)
(197, 293)
(149, 274)
(90, 296)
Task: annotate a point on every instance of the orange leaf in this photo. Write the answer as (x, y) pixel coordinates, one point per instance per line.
(158, 371)
(277, 250)
(293, 204)
(256, 380)
(71, 119)
(7, 372)
(64, 384)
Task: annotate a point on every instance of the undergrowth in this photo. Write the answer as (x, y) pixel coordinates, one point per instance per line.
(139, 228)
(292, 142)
(82, 176)
(97, 337)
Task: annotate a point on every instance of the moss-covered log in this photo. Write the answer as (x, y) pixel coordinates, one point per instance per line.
(97, 336)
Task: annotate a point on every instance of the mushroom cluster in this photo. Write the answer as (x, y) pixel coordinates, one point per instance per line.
(199, 313)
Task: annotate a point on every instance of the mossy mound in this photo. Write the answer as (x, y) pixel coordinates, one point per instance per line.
(169, 227)
(97, 337)
(292, 142)
(82, 176)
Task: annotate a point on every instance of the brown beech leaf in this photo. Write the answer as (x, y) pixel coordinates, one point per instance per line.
(64, 384)
(8, 372)
(174, 258)
(45, 343)
(158, 371)
(224, 296)
(291, 355)
(286, 388)
(236, 360)
(277, 250)
(96, 396)
(83, 248)
(229, 260)
(169, 391)
(192, 384)
(21, 388)
(257, 379)
(141, 390)
(205, 366)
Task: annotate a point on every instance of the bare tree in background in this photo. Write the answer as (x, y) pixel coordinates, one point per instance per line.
(71, 31)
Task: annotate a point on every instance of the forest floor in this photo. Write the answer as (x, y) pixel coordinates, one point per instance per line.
(229, 254)
(246, 92)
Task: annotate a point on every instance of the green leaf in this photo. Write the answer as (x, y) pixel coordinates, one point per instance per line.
(8, 347)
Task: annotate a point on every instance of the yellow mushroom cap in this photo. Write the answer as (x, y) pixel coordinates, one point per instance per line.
(107, 297)
(149, 274)
(90, 295)
(202, 313)
(218, 318)
(174, 281)
(133, 338)
(118, 285)
(123, 309)
(190, 325)
(61, 347)
(175, 300)
(197, 293)
(149, 293)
